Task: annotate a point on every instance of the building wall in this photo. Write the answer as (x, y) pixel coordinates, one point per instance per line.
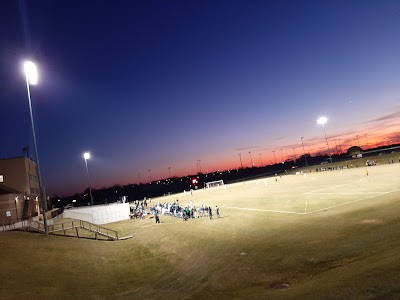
(8, 203)
(20, 174)
(99, 214)
(32, 177)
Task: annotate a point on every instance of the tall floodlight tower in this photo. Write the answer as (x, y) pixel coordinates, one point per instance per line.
(31, 77)
(322, 121)
(304, 151)
(86, 156)
(240, 157)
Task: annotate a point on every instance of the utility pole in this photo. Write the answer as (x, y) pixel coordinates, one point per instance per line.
(304, 151)
(240, 157)
(251, 159)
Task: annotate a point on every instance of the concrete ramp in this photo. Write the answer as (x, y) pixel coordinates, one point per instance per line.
(76, 227)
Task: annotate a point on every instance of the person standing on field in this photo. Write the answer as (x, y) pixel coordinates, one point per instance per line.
(217, 211)
(210, 212)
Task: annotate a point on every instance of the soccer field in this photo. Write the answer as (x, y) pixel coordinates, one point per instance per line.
(327, 235)
(299, 194)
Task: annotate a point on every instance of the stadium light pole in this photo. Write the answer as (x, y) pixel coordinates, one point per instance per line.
(240, 157)
(322, 121)
(31, 77)
(282, 155)
(86, 156)
(274, 156)
(366, 141)
(251, 159)
(199, 161)
(304, 151)
(358, 140)
(169, 170)
(260, 160)
(150, 176)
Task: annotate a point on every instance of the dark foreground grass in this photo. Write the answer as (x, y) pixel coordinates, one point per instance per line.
(350, 252)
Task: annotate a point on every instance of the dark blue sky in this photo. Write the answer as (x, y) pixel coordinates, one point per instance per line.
(156, 84)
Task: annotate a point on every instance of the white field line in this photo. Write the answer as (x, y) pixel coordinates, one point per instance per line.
(349, 202)
(355, 193)
(312, 192)
(267, 210)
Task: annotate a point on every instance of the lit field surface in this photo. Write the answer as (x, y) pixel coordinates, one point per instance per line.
(329, 235)
(300, 194)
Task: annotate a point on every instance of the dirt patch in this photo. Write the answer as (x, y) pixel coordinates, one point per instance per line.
(343, 262)
(280, 286)
(372, 221)
(312, 260)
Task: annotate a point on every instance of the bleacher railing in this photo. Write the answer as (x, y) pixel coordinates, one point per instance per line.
(75, 225)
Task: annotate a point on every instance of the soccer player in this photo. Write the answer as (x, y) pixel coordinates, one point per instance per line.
(157, 218)
(217, 211)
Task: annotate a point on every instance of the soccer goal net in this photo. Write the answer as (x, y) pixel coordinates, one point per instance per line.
(214, 184)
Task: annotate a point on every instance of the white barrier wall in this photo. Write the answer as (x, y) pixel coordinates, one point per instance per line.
(99, 214)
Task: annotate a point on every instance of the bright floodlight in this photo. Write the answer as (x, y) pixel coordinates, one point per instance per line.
(322, 120)
(86, 155)
(31, 72)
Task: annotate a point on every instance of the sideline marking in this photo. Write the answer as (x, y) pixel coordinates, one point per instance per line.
(366, 193)
(315, 211)
(330, 187)
(349, 202)
(268, 210)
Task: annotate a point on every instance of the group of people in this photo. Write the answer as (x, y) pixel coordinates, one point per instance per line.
(204, 211)
(174, 209)
(138, 210)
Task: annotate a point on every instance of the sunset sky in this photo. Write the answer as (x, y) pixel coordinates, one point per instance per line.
(147, 85)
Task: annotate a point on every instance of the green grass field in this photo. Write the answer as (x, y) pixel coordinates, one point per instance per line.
(329, 235)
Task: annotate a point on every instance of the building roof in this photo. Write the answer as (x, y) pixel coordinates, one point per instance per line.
(16, 157)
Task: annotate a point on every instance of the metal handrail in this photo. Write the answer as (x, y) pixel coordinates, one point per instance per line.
(107, 232)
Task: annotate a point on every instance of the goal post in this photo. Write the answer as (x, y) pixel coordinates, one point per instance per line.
(212, 184)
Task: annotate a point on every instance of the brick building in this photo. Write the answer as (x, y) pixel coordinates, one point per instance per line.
(19, 189)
